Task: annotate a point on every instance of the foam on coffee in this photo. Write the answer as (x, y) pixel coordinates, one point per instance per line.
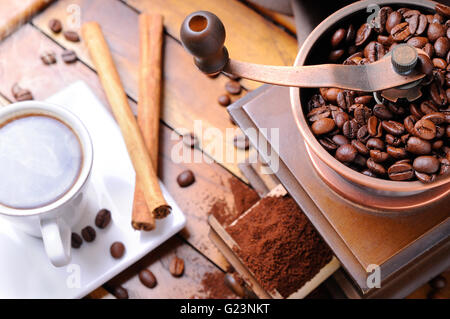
(40, 161)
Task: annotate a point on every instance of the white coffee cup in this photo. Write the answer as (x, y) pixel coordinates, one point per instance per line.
(52, 222)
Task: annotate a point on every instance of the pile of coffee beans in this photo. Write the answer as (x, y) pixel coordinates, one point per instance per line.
(400, 141)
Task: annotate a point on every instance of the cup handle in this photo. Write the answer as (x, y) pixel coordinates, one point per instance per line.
(56, 236)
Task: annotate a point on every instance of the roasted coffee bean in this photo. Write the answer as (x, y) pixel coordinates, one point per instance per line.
(382, 112)
(336, 55)
(364, 99)
(375, 143)
(439, 63)
(48, 57)
(422, 24)
(103, 218)
(427, 107)
(21, 94)
(176, 267)
(363, 134)
(117, 250)
(242, 142)
(69, 56)
(350, 129)
(88, 234)
(315, 101)
(392, 140)
(328, 144)
(418, 146)
(363, 34)
(438, 282)
(360, 147)
(360, 161)
(401, 31)
(396, 109)
(330, 94)
(429, 49)
(380, 20)
(417, 42)
(323, 126)
(435, 31)
(374, 51)
(435, 117)
(425, 178)
(120, 293)
(346, 153)
(425, 129)
(438, 94)
(190, 140)
(345, 99)
(396, 152)
(437, 144)
(393, 19)
(340, 118)
(224, 100)
(393, 127)
(375, 168)
(404, 138)
(415, 111)
(412, 17)
(385, 40)
(147, 278)
(379, 156)
(441, 47)
(71, 36)
(409, 123)
(351, 33)
(186, 178)
(318, 113)
(55, 25)
(400, 172)
(340, 139)
(442, 9)
(233, 87)
(338, 37)
(445, 166)
(76, 241)
(372, 126)
(426, 164)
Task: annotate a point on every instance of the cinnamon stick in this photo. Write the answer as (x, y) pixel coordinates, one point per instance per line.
(150, 43)
(115, 93)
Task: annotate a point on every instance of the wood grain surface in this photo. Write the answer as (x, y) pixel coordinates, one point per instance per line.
(195, 201)
(187, 96)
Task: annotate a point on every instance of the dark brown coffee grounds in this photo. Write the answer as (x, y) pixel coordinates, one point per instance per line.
(214, 287)
(244, 198)
(279, 245)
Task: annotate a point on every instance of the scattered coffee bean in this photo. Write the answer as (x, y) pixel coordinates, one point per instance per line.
(120, 292)
(147, 278)
(103, 218)
(176, 267)
(21, 94)
(224, 100)
(88, 234)
(76, 241)
(233, 87)
(69, 56)
(55, 25)
(48, 58)
(117, 250)
(186, 178)
(242, 142)
(71, 36)
(190, 140)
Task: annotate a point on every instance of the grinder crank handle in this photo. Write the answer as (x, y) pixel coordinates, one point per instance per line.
(203, 35)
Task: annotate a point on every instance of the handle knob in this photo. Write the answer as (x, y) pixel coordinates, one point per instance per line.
(203, 35)
(404, 58)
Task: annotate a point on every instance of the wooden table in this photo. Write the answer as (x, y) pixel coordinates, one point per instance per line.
(188, 95)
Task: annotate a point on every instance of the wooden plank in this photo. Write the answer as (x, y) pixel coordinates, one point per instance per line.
(187, 286)
(250, 37)
(212, 180)
(188, 94)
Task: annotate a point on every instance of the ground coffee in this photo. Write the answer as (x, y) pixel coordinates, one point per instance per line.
(279, 245)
